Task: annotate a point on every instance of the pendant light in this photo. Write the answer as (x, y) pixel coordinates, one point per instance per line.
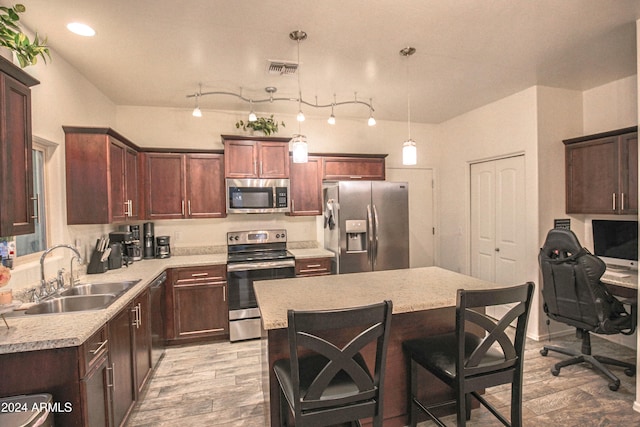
(196, 111)
(252, 114)
(409, 151)
(299, 145)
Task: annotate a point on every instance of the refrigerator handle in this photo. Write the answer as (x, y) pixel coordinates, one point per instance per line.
(369, 236)
(375, 236)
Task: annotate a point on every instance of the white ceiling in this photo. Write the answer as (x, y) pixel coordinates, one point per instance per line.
(469, 52)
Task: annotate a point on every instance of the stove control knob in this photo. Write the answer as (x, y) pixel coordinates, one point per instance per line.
(237, 238)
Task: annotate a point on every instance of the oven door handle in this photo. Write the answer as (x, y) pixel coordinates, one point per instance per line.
(246, 266)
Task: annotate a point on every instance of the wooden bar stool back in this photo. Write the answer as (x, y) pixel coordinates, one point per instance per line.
(326, 381)
(469, 361)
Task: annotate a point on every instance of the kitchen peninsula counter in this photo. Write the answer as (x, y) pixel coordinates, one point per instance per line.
(423, 304)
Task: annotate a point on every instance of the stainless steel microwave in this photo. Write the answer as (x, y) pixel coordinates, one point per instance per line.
(257, 195)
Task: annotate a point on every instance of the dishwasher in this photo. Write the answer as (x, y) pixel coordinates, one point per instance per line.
(158, 342)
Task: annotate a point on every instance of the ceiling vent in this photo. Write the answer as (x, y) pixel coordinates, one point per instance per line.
(281, 68)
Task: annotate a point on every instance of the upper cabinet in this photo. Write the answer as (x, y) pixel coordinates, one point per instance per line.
(248, 157)
(184, 185)
(602, 173)
(354, 167)
(102, 177)
(306, 187)
(17, 201)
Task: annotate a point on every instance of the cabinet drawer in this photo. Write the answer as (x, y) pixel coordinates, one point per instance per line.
(92, 350)
(313, 267)
(214, 273)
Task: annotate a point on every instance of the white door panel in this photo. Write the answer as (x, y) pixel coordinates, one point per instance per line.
(421, 219)
(498, 222)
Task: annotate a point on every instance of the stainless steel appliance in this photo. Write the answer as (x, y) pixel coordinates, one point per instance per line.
(157, 318)
(252, 256)
(149, 248)
(163, 248)
(257, 195)
(367, 225)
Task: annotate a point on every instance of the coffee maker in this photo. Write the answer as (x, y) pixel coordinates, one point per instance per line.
(149, 241)
(132, 248)
(120, 242)
(163, 248)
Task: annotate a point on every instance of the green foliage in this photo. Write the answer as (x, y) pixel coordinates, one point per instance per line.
(12, 37)
(263, 124)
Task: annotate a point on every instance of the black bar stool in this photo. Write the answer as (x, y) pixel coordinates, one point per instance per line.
(469, 361)
(326, 380)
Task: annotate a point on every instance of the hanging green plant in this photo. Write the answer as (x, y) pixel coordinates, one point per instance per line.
(262, 124)
(12, 37)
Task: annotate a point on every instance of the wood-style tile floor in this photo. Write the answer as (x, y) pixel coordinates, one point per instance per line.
(219, 384)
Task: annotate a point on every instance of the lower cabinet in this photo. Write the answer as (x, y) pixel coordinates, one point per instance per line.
(141, 331)
(313, 267)
(120, 351)
(197, 303)
(95, 383)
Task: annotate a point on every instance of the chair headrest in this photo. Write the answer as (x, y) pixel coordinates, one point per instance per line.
(561, 240)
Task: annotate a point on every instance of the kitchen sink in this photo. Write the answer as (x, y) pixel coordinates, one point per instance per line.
(115, 288)
(66, 304)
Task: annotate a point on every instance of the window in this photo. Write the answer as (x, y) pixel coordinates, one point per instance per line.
(37, 241)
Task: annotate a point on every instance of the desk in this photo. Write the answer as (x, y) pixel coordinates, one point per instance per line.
(625, 287)
(424, 302)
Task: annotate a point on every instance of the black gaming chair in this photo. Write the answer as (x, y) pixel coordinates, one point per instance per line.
(573, 294)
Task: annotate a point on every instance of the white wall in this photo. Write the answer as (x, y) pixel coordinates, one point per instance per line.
(611, 106)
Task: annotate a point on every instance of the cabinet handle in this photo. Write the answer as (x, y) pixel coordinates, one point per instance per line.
(313, 265)
(100, 347)
(255, 167)
(189, 206)
(355, 177)
(36, 211)
(199, 274)
(110, 376)
(613, 199)
(621, 201)
(224, 293)
(260, 167)
(128, 208)
(134, 310)
(182, 207)
(139, 307)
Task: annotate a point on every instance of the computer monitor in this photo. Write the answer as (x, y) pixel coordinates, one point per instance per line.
(616, 242)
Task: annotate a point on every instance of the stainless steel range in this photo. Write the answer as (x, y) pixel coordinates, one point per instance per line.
(253, 255)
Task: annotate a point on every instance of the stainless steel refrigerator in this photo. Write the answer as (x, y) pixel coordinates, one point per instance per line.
(366, 224)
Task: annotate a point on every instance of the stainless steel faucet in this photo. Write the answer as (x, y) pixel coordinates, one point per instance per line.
(46, 252)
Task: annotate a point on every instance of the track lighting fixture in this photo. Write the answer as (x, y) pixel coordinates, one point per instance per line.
(297, 36)
(409, 152)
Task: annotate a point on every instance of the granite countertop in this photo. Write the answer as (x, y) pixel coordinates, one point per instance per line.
(302, 253)
(39, 332)
(410, 290)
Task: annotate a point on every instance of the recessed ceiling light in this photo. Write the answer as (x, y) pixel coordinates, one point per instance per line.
(81, 29)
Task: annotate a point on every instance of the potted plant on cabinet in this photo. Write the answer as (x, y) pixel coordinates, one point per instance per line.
(12, 38)
(265, 125)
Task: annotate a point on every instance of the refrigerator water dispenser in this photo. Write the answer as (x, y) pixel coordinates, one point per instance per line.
(356, 230)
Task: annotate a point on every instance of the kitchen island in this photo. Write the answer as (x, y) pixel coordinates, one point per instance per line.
(424, 302)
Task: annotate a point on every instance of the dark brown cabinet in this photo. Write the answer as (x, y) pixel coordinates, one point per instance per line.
(120, 356)
(256, 158)
(306, 187)
(356, 167)
(102, 177)
(197, 303)
(313, 267)
(602, 173)
(141, 331)
(184, 185)
(95, 383)
(17, 200)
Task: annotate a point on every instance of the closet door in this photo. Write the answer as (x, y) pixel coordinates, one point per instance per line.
(498, 220)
